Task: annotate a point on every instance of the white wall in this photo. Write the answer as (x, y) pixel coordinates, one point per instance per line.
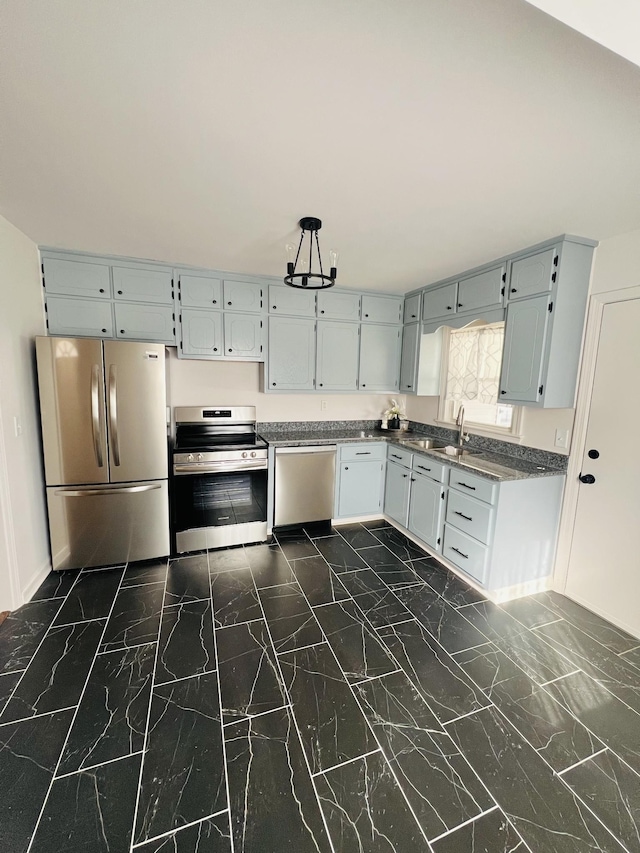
(24, 553)
(617, 263)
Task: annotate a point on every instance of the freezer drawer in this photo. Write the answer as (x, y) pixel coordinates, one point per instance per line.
(108, 525)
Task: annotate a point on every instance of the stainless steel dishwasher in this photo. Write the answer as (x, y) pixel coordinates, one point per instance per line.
(305, 484)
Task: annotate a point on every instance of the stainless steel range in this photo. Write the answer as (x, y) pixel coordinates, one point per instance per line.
(219, 486)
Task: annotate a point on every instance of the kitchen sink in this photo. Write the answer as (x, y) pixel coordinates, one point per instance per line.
(423, 443)
(456, 452)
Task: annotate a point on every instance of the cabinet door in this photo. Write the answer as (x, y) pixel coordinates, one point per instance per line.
(291, 354)
(79, 317)
(76, 278)
(360, 488)
(412, 308)
(292, 301)
(334, 305)
(145, 322)
(396, 493)
(524, 343)
(242, 335)
(139, 285)
(426, 509)
(337, 356)
(382, 309)
(533, 275)
(243, 295)
(201, 333)
(481, 291)
(409, 358)
(379, 358)
(439, 302)
(199, 291)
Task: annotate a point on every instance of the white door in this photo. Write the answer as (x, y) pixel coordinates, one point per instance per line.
(604, 564)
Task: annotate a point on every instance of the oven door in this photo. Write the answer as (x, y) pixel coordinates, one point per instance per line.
(215, 510)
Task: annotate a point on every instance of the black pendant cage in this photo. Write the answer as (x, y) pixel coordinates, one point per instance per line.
(310, 280)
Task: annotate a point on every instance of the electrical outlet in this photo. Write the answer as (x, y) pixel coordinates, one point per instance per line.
(323, 405)
(562, 438)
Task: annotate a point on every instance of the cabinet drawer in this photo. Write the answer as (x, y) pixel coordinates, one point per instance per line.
(430, 467)
(465, 552)
(477, 487)
(361, 452)
(397, 454)
(470, 516)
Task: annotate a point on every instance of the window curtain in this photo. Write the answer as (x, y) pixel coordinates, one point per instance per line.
(475, 357)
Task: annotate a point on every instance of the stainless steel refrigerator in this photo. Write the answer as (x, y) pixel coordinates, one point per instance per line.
(104, 433)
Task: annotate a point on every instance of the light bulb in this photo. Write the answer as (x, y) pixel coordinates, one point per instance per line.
(333, 259)
(291, 258)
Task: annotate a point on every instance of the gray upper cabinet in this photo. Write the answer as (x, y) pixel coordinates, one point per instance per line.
(533, 275)
(379, 358)
(76, 278)
(481, 291)
(412, 308)
(293, 301)
(381, 309)
(79, 317)
(243, 295)
(145, 322)
(337, 356)
(292, 354)
(339, 305)
(201, 333)
(200, 291)
(439, 301)
(409, 357)
(137, 284)
(525, 333)
(242, 335)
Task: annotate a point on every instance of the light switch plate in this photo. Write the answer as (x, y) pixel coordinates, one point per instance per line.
(562, 438)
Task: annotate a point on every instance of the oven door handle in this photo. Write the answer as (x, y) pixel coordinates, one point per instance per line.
(217, 467)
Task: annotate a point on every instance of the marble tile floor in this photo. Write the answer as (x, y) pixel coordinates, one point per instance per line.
(339, 692)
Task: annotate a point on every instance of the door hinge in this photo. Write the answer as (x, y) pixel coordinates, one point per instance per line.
(438, 542)
(173, 316)
(180, 344)
(555, 260)
(442, 496)
(504, 278)
(540, 389)
(502, 292)
(550, 309)
(260, 347)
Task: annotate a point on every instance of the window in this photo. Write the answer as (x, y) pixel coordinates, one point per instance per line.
(474, 359)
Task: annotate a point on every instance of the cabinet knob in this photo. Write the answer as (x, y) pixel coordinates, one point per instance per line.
(214, 301)
(230, 350)
(119, 293)
(274, 307)
(102, 290)
(593, 454)
(449, 307)
(215, 349)
(104, 331)
(320, 384)
(366, 315)
(322, 312)
(513, 290)
(228, 303)
(413, 479)
(274, 384)
(459, 304)
(413, 316)
(346, 467)
(122, 331)
(364, 385)
(503, 392)
(405, 476)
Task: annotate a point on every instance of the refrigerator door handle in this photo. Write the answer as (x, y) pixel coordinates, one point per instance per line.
(113, 414)
(95, 414)
(82, 493)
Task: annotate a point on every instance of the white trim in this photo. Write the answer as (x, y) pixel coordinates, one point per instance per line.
(7, 523)
(36, 579)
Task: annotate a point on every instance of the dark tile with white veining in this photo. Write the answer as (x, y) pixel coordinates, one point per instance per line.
(455, 591)
(538, 659)
(23, 630)
(273, 804)
(545, 724)
(147, 571)
(211, 835)
(601, 712)
(632, 657)
(381, 607)
(186, 642)
(294, 547)
(614, 638)
(442, 621)
(112, 717)
(91, 597)
(542, 809)
(357, 535)
(183, 778)
(399, 544)
(90, 811)
(249, 679)
(320, 530)
(55, 585)
(187, 580)
(56, 676)
(612, 791)
(398, 576)
(7, 685)
(491, 833)
(529, 611)
(440, 786)
(492, 621)
(290, 619)
(365, 811)
(331, 724)
(234, 597)
(135, 618)
(339, 554)
(29, 752)
(269, 566)
(362, 581)
(437, 676)
(225, 559)
(380, 555)
(318, 582)
(358, 649)
(376, 524)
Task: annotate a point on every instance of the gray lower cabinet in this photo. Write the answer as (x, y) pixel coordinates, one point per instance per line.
(145, 322)
(201, 333)
(379, 358)
(243, 335)
(79, 317)
(360, 480)
(337, 356)
(426, 509)
(292, 354)
(396, 492)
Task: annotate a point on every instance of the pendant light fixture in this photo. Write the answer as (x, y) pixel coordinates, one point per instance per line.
(300, 261)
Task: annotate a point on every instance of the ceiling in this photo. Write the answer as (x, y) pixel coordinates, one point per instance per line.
(430, 137)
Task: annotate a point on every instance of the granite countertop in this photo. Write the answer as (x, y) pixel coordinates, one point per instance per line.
(490, 465)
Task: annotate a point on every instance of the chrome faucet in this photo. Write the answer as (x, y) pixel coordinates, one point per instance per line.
(460, 424)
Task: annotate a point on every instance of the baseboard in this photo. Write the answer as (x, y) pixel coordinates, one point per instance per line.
(36, 579)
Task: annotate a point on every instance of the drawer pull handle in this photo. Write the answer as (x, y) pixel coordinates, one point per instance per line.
(460, 483)
(424, 467)
(395, 456)
(363, 453)
(462, 515)
(466, 556)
